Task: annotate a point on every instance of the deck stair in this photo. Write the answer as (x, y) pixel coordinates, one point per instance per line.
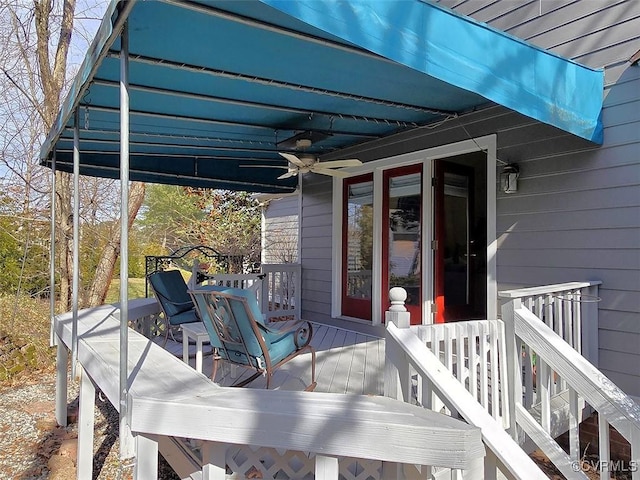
(523, 374)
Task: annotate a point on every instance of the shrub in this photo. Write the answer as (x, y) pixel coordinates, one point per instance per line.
(24, 337)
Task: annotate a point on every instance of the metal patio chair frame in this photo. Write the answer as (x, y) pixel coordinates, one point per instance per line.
(239, 335)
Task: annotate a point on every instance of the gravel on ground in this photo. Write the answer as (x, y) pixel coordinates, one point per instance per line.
(34, 447)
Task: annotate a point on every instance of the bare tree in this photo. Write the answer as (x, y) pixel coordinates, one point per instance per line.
(34, 65)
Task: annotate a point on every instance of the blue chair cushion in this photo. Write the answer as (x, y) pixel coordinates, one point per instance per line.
(187, 316)
(279, 344)
(171, 291)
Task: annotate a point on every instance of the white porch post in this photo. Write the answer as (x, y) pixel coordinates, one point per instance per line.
(126, 440)
(85, 426)
(146, 466)
(514, 358)
(214, 461)
(396, 365)
(76, 241)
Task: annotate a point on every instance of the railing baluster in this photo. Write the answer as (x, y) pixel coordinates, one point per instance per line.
(494, 360)
(473, 362)
(484, 374)
(460, 352)
(544, 387)
(577, 320)
(574, 426)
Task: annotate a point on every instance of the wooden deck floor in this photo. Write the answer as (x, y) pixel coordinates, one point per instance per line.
(346, 362)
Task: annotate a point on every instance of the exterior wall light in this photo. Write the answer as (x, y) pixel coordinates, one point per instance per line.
(509, 178)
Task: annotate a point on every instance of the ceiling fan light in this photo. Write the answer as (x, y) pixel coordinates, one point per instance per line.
(303, 143)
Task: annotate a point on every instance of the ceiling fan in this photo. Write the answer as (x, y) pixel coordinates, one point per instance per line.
(303, 162)
(309, 163)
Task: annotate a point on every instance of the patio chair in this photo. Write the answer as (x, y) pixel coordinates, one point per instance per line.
(239, 335)
(171, 292)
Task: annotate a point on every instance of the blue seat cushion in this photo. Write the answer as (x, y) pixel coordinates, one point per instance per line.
(187, 316)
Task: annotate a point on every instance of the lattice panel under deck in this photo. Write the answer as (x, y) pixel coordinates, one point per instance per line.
(269, 463)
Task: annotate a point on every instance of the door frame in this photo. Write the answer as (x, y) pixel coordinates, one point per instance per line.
(488, 144)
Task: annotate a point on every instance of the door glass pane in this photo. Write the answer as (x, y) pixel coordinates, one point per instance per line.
(359, 240)
(405, 204)
(456, 248)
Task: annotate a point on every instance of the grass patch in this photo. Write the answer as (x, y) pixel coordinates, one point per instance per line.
(24, 337)
(135, 289)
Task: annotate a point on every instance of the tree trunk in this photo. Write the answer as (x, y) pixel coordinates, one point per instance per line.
(64, 234)
(106, 265)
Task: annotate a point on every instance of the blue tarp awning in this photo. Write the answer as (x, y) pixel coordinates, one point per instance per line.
(218, 88)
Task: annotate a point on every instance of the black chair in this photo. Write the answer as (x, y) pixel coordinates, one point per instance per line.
(177, 306)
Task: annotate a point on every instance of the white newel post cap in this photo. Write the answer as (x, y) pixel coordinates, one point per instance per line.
(397, 313)
(397, 297)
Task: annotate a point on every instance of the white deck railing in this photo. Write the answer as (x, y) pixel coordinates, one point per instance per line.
(558, 363)
(281, 291)
(277, 288)
(248, 433)
(473, 352)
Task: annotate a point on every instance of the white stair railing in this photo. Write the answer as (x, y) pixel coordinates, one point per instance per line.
(408, 357)
(557, 360)
(571, 311)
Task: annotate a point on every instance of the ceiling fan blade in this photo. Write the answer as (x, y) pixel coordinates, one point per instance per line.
(281, 167)
(328, 171)
(351, 162)
(293, 159)
(290, 173)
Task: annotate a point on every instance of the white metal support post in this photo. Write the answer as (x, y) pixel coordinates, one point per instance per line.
(126, 440)
(52, 254)
(76, 241)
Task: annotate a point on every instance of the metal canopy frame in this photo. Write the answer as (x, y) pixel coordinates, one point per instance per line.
(216, 87)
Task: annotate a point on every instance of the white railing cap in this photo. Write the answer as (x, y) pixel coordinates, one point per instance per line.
(545, 289)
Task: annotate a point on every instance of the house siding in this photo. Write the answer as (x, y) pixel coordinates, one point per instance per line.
(579, 213)
(281, 230)
(576, 215)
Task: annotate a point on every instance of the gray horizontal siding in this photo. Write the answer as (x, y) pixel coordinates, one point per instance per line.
(281, 230)
(316, 247)
(576, 215)
(592, 240)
